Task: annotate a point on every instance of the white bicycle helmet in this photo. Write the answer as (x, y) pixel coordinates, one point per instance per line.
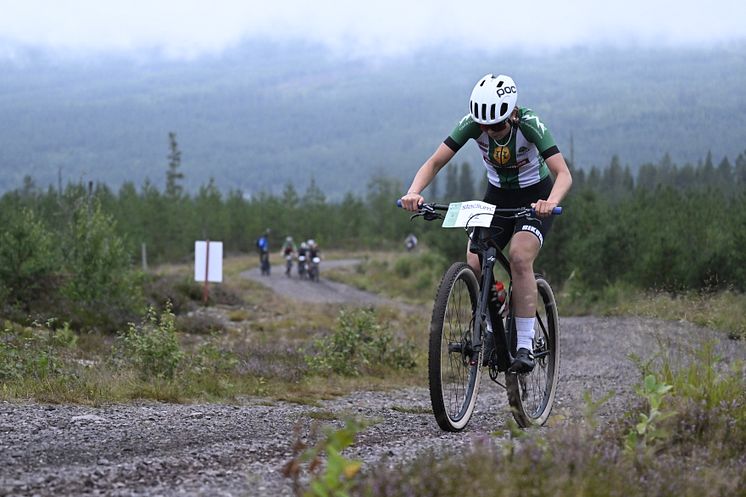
(493, 99)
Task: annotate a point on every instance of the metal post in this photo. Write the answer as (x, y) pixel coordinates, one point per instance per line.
(207, 271)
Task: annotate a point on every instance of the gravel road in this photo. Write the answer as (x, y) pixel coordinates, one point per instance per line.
(149, 449)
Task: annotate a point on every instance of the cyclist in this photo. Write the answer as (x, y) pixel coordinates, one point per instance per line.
(313, 249)
(288, 248)
(262, 245)
(287, 251)
(314, 257)
(302, 258)
(519, 154)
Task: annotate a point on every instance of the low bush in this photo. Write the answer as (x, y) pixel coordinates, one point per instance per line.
(151, 347)
(360, 345)
(35, 352)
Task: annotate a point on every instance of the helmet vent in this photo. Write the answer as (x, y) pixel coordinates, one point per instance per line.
(492, 111)
(484, 111)
(500, 84)
(503, 108)
(483, 82)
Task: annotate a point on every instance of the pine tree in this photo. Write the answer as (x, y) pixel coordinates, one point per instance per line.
(173, 175)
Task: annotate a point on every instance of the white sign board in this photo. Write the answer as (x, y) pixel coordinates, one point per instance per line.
(211, 263)
(472, 213)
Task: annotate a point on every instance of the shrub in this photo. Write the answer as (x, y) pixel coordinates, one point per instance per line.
(101, 286)
(151, 348)
(37, 351)
(27, 259)
(359, 344)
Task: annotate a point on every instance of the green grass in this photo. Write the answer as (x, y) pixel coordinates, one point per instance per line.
(262, 351)
(721, 311)
(409, 277)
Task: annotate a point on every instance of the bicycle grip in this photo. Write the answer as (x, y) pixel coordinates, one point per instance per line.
(555, 212)
(398, 202)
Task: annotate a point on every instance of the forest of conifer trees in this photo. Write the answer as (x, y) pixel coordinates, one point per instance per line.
(673, 228)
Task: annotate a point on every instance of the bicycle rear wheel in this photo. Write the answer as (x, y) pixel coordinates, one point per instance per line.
(453, 373)
(531, 395)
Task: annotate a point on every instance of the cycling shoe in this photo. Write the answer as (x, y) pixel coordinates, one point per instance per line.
(523, 362)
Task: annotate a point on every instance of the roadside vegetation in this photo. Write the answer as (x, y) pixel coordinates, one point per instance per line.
(685, 435)
(81, 322)
(246, 342)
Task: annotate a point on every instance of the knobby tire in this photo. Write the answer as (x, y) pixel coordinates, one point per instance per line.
(454, 382)
(531, 395)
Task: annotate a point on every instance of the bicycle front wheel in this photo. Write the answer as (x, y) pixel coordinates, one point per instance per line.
(531, 395)
(453, 373)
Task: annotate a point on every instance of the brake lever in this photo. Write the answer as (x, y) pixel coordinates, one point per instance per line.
(429, 216)
(428, 213)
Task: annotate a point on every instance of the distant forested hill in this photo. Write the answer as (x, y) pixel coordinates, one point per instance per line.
(263, 115)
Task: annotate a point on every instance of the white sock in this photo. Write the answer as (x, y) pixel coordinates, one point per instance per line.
(525, 329)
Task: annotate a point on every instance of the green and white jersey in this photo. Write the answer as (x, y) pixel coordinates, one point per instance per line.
(516, 161)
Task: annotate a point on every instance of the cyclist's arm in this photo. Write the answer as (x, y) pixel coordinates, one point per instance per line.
(425, 175)
(562, 183)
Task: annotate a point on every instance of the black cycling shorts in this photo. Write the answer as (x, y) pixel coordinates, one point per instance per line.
(523, 197)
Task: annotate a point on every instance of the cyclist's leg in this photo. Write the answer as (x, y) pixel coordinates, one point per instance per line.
(524, 248)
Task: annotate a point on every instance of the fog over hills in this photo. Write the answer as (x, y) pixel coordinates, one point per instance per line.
(265, 114)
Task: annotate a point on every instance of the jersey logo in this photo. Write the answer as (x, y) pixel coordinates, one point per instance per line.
(501, 155)
(539, 125)
(465, 121)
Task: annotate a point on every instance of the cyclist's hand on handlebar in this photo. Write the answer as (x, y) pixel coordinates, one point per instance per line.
(544, 208)
(412, 201)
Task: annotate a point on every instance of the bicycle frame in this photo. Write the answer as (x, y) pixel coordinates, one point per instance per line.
(489, 255)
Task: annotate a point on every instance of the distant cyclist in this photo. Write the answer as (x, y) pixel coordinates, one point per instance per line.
(302, 259)
(288, 248)
(262, 245)
(314, 258)
(519, 154)
(288, 251)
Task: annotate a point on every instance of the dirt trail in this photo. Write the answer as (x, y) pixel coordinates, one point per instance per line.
(322, 291)
(219, 450)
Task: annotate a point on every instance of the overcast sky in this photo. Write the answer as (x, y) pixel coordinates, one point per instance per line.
(188, 28)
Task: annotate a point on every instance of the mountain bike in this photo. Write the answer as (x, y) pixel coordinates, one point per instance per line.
(302, 273)
(313, 269)
(288, 264)
(264, 263)
(458, 333)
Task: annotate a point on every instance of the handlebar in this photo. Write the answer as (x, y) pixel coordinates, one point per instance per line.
(430, 208)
